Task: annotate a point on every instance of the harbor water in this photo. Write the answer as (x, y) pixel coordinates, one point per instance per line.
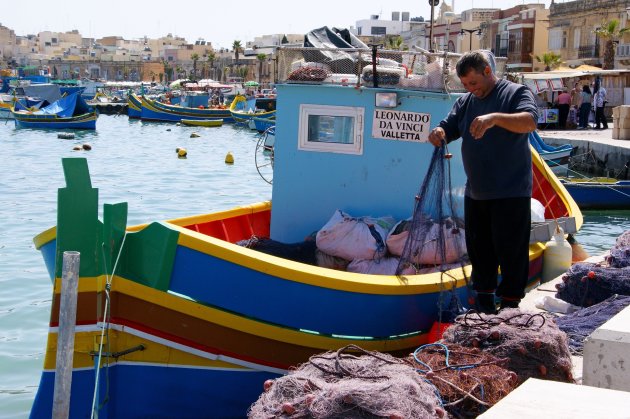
(134, 162)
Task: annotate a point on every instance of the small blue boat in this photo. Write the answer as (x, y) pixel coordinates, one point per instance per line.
(599, 193)
(69, 112)
(153, 110)
(557, 158)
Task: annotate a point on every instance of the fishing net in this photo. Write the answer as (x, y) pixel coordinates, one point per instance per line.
(468, 380)
(623, 240)
(586, 284)
(344, 385)
(580, 324)
(300, 252)
(619, 257)
(532, 342)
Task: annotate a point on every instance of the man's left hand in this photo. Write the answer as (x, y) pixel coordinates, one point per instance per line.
(480, 125)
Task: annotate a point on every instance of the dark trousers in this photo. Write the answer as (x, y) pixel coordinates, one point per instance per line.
(497, 234)
(585, 110)
(563, 111)
(600, 118)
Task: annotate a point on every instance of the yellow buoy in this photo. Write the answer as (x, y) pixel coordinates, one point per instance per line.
(181, 152)
(556, 257)
(229, 158)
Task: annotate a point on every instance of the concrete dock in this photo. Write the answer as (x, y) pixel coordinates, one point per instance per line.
(594, 149)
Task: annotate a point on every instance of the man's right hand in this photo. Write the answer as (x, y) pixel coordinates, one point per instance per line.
(437, 136)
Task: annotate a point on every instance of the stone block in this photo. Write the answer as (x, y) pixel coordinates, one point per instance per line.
(607, 354)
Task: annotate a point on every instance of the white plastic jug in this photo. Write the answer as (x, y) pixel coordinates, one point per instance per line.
(556, 257)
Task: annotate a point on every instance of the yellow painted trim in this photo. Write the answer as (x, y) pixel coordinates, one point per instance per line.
(45, 237)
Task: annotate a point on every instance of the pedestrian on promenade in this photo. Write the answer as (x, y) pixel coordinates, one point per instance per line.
(564, 103)
(575, 101)
(599, 102)
(585, 106)
(494, 120)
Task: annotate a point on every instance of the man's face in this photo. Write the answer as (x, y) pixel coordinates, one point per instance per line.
(479, 84)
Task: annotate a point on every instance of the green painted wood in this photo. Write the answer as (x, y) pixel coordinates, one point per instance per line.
(78, 227)
(114, 227)
(148, 256)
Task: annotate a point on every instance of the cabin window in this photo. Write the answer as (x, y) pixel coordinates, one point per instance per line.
(335, 129)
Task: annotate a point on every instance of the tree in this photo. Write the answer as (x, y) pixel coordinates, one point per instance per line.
(211, 57)
(243, 71)
(395, 42)
(284, 40)
(226, 72)
(261, 59)
(610, 32)
(194, 57)
(236, 46)
(551, 60)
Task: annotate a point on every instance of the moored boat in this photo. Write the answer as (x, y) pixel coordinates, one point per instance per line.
(203, 122)
(206, 320)
(153, 110)
(70, 112)
(599, 193)
(134, 106)
(242, 114)
(556, 157)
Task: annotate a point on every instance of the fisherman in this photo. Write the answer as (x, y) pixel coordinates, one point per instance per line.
(494, 120)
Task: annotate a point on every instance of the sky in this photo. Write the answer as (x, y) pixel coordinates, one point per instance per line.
(219, 22)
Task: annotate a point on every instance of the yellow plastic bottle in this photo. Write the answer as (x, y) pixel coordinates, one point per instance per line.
(556, 257)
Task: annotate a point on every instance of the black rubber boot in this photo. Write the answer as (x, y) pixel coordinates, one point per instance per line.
(509, 304)
(485, 303)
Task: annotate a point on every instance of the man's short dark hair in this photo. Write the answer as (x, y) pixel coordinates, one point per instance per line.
(473, 60)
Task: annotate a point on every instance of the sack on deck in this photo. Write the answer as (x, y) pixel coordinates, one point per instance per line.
(354, 238)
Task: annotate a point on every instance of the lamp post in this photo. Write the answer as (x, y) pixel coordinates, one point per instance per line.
(463, 31)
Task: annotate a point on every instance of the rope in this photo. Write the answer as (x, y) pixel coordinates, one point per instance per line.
(105, 327)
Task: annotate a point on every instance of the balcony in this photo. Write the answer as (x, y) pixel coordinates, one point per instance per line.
(588, 51)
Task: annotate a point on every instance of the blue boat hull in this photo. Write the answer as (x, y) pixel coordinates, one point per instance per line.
(155, 111)
(57, 123)
(599, 195)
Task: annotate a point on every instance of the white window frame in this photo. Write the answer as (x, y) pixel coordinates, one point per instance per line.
(356, 147)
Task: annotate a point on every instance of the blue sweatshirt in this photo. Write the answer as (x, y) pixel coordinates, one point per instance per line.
(499, 164)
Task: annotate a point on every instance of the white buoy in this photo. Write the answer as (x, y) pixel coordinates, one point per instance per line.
(556, 257)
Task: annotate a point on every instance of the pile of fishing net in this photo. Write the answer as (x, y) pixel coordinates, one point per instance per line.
(468, 380)
(580, 324)
(532, 342)
(346, 385)
(586, 284)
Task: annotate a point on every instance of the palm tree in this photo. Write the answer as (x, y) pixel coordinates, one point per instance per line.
(194, 57)
(261, 58)
(236, 46)
(395, 42)
(210, 58)
(226, 72)
(551, 60)
(611, 32)
(243, 71)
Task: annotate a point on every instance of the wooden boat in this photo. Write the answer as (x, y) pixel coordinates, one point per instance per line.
(134, 106)
(203, 122)
(262, 124)
(69, 112)
(242, 114)
(153, 110)
(197, 323)
(599, 193)
(556, 157)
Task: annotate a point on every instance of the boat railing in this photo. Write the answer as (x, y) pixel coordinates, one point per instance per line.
(416, 70)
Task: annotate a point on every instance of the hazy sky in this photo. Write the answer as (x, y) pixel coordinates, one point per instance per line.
(220, 22)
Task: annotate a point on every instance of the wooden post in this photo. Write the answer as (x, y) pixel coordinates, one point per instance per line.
(65, 334)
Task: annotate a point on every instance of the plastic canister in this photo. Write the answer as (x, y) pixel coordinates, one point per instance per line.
(556, 257)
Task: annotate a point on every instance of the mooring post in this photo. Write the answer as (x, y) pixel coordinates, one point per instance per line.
(65, 334)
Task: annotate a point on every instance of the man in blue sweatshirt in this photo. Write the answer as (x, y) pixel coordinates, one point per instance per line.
(494, 120)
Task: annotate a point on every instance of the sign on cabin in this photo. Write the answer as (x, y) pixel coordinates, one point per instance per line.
(402, 126)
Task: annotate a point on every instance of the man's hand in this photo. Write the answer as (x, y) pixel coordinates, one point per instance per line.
(480, 125)
(437, 136)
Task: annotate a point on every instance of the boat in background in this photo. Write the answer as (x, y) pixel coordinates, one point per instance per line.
(203, 122)
(70, 112)
(556, 157)
(196, 321)
(134, 106)
(153, 110)
(242, 111)
(599, 193)
(262, 124)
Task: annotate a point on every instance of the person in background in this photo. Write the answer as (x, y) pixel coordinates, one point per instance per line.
(585, 106)
(575, 101)
(599, 101)
(564, 103)
(494, 120)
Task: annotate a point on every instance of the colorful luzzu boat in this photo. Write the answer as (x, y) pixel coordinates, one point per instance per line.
(153, 110)
(242, 113)
(69, 112)
(134, 106)
(198, 323)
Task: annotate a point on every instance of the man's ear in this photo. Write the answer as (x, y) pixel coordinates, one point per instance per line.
(487, 71)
